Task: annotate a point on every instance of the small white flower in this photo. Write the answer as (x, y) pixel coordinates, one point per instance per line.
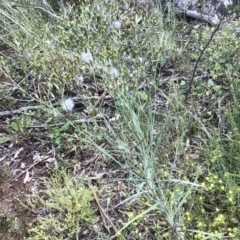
(79, 80)
(87, 56)
(117, 25)
(114, 72)
(227, 3)
(48, 42)
(67, 104)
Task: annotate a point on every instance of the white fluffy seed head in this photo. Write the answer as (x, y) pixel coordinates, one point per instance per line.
(114, 72)
(79, 80)
(87, 56)
(67, 104)
(117, 25)
(227, 3)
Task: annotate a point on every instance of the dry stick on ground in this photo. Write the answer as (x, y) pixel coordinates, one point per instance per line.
(34, 164)
(21, 109)
(203, 17)
(102, 97)
(81, 120)
(199, 58)
(102, 212)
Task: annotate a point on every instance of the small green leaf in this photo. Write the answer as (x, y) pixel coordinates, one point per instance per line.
(182, 83)
(210, 83)
(4, 139)
(209, 113)
(143, 95)
(16, 126)
(217, 88)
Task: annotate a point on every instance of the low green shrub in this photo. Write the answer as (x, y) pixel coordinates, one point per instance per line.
(67, 205)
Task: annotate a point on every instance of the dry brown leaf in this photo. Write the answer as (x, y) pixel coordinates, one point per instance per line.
(17, 152)
(97, 175)
(26, 178)
(77, 167)
(23, 165)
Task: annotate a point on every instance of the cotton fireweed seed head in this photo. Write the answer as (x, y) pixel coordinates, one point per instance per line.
(67, 104)
(227, 3)
(48, 42)
(86, 56)
(113, 72)
(117, 25)
(79, 80)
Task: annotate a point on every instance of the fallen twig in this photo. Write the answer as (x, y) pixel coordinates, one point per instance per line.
(199, 58)
(34, 164)
(102, 212)
(199, 16)
(21, 109)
